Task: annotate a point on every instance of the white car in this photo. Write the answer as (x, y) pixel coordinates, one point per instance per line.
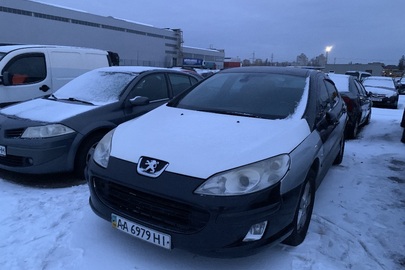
(227, 167)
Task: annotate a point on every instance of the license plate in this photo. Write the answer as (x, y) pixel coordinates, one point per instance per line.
(157, 238)
(376, 99)
(3, 151)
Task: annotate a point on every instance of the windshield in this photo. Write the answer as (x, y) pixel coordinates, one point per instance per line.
(97, 87)
(264, 95)
(387, 83)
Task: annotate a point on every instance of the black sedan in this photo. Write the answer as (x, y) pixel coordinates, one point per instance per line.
(383, 91)
(357, 101)
(227, 167)
(55, 134)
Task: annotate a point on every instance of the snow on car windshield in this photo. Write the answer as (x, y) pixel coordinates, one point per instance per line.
(98, 86)
(264, 95)
(379, 82)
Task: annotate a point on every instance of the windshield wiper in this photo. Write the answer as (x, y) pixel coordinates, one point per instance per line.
(230, 112)
(76, 100)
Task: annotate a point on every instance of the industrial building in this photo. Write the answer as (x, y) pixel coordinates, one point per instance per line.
(137, 44)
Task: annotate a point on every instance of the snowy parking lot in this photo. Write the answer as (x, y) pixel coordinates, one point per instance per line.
(358, 220)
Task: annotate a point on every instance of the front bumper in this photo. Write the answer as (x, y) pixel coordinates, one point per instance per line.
(37, 156)
(384, 101)
(207, 225)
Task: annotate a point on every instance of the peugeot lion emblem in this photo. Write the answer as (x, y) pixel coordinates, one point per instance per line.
(151, 167)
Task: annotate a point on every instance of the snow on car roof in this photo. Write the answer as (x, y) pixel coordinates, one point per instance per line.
(136, 69)
(341, 81)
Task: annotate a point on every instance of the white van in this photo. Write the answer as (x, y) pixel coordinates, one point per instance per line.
(30, 71)
(360, 75)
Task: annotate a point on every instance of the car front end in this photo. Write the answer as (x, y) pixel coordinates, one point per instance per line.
(383, 97)
(28, 146)
(220, 204)
(209, 216)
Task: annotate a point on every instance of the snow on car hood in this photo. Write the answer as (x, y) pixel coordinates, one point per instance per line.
(378, 90)
(200, 144)
(45, 110)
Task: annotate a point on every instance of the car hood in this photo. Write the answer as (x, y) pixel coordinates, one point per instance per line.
(378, 90)
(200, 144)
(45, 110)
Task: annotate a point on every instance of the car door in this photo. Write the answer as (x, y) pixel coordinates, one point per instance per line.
(364, 99)
(153, 86)
(180, 82)
(329, 124)
(25, 76)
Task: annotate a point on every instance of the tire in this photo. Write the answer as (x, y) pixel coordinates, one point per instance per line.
(339, 156)
(367, 119)
(84, 153)
(303, 212)
(352, 130)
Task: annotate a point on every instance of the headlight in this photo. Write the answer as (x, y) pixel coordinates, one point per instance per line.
(46, 131)
(101, 154)
(246, 179)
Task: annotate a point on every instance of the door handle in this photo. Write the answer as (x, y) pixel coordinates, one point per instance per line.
(44, 88)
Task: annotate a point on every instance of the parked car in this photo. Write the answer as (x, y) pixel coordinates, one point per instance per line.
(403, 125)
(55, 133)
(382, 91)
(360, 75)
(225, 168)
(31, 71)
(401, 86)
(357, 100)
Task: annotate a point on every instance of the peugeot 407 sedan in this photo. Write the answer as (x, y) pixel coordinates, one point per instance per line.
(225, 168)
(56, 133)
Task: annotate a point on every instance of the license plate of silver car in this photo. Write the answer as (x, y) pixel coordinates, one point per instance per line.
(149, 235)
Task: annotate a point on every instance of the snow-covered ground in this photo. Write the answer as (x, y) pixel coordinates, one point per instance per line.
(358, 220)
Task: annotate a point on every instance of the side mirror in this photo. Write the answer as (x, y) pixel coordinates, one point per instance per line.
(5, 79)
(139, 101)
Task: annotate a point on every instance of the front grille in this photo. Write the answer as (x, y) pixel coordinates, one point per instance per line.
(164, 213)
(14, 133)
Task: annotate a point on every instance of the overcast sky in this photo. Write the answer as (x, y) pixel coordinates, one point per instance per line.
(360, 31)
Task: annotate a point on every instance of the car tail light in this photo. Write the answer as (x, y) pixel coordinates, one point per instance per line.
(349, 103)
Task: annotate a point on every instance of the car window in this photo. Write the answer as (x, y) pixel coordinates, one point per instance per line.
(379, 82)
(360, 88)
(153, 86)
(26, 69)
(333, 93)
(323, 97)
(180, 82)
(264, 95)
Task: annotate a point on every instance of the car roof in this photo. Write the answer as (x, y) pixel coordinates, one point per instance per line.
(9, 48)
(276, 70)
(134, 69)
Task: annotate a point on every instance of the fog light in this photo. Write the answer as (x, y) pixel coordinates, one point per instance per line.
(256, 232)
